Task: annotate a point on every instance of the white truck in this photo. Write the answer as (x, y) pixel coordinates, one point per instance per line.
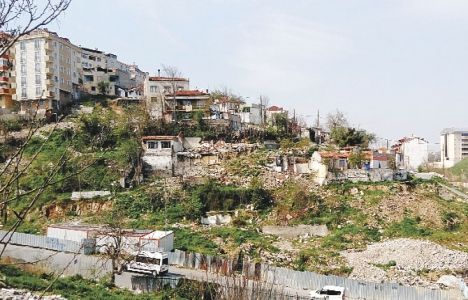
(328, 292)
(148, 262)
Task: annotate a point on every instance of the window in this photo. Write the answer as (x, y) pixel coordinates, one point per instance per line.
(55, 78)
(167, 88)
(38, 79)
(37, 56)
(37, 67)
(165, 145)
(464, 134)
(23, 80)
(23, 57)
(23, 46)
(38, 91)
(152, 145)
(23, 93)
(153, 89)
(37, 44)
(180, 88)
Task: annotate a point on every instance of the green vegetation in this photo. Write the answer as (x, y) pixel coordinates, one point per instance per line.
(408, 227)
(76, 287)
(460, 169)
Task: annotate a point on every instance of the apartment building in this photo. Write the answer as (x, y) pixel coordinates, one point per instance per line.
(103, 73)
(7, 80)
(155, 90)
(453, 146)
(48, 72)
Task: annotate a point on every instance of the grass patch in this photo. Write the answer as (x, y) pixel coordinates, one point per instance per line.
(408, 227)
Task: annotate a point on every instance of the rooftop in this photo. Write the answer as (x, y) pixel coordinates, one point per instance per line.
(275, 108)
(453, 130)
(161, 78)
(159, 138)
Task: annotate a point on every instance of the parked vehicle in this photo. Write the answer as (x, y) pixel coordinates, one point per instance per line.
(329, 292)
(147, 262)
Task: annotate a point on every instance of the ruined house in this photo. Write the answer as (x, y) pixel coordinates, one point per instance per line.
(160, 153)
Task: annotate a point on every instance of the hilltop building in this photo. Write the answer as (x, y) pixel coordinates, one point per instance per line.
(453, 146)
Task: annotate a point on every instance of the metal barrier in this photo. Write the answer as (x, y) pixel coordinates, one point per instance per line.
(355, 289)
(40, 241)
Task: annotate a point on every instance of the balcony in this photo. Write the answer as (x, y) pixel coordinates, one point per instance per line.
(13, 85)
(49, 71)
(4, 68)
(4, 91)
(4, 79)
(49, 82)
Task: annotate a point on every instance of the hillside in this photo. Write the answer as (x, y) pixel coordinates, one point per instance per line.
(278, 218)
(460, 169)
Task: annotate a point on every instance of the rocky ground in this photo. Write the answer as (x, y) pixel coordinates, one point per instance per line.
(16, 294)
(406, 261)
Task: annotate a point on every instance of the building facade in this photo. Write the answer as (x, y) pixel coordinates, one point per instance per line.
(453, 146)
(48, 72)
(411, 153)
(156, 88)
(7, 79)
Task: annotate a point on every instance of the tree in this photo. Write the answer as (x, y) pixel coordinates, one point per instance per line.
(336, 119)
(347, 136)
(21, 17)
(174, 74)
(103, 87)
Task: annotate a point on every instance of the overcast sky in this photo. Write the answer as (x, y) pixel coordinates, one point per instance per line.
(395, 68)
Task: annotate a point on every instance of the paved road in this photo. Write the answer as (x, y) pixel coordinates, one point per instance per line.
(124, 280)
(460, 194)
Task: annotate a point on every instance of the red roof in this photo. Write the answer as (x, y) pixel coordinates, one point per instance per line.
(190, 93)
(161, 78)
(275, 108)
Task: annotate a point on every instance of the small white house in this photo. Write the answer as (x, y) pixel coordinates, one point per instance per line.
(251, 114)
(160, 152)
(411, 153)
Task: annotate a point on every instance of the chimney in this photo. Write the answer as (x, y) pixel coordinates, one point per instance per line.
(159, 73)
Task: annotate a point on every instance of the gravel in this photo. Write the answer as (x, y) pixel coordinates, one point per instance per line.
(409, 255)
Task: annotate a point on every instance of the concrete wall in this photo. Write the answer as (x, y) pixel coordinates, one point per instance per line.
(414, 154)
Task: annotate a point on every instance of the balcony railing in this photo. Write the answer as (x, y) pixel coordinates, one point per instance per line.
(4, 91)
(4, 79)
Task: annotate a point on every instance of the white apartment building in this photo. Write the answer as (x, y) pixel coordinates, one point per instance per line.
(411, 153)
(453, 146)
(48, 72)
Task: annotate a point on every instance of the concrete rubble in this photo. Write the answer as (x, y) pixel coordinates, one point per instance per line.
(292, 232)
(409, 257)
(17, 294)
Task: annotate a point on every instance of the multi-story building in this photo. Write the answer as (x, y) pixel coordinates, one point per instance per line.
(155, 90)
(453, 146)
(103, 73)
(48, 72)
(7, 79)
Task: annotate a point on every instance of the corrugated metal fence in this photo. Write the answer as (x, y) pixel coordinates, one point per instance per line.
(355, 289)
(40, 241)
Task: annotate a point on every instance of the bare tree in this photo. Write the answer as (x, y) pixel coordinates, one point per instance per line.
(174, 75)
(21, 17)
(336, 119)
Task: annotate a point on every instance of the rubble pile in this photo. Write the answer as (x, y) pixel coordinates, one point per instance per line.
(16, 294)
(400, 260)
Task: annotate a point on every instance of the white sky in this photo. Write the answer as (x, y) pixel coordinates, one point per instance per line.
(395, 68)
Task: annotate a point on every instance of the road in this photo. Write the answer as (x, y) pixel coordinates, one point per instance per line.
(460, 194)
(124, 280)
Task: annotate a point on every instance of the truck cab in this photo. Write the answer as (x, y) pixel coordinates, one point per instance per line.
(148, 262)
